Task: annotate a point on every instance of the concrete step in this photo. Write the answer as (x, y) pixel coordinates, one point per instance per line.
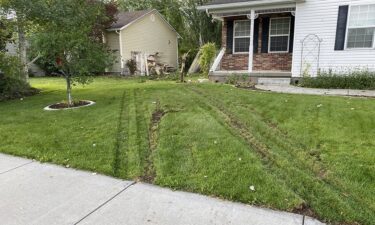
(273, 81)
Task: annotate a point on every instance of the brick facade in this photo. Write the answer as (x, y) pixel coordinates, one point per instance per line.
(261, 61)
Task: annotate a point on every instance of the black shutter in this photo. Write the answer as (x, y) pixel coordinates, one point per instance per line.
(291, 40)
(341, 27)
(256, 35)
(229, 37)
(265, 34)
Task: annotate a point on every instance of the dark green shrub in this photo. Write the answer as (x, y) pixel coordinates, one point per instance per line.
(349, 80)
(132, 65)
(10, 66)
(11, 88)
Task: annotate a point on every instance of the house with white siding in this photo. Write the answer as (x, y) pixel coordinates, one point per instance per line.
(287, 39)
(141, 33)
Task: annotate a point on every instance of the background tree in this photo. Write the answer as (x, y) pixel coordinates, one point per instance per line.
(11, 85)
(69, 36)
(6, 32)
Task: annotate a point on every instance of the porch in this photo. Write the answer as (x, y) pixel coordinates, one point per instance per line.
(257, 42)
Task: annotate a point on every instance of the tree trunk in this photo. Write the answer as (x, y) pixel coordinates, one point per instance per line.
(183, 65)
(69, 91)
(22, 53)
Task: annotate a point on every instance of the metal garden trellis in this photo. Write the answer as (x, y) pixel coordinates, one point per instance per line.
(310, 54)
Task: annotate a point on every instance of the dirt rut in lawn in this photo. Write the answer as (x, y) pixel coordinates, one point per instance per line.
(157, 115)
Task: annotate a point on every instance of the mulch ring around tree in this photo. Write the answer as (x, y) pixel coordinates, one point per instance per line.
(66, 106)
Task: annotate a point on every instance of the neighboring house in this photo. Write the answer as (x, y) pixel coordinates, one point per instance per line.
(144, 32)
(292, 38)
(34, 70)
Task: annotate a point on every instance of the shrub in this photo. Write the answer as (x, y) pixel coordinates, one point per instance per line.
(10, 66)
(240, 81)
(208, 53)
(11, 88)
(167, 77)
(233, 79)
(132, 65)
(349, 80)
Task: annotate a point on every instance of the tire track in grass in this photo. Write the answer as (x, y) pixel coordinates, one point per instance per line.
(120, 137)
(132, 168)
(144, 137)
(124, 157)
(304, 160)
(287, 170)
(142, 131)
(157, 116)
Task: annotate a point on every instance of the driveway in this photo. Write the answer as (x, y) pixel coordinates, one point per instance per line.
(35, 193)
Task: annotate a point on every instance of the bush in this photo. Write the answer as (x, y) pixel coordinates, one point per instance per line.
(240, 81)
(132, 65)
(10, 66)
(167, 77)
(207, 57)
(11, 88)
(233, 79)
(349, 80)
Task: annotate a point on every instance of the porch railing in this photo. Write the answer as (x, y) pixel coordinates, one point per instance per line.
(217, 61)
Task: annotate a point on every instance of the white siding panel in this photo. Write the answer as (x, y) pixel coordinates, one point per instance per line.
(320, 17)
(113, 43)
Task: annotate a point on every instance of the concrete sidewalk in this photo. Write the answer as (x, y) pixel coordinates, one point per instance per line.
(290, 89)
(35, 193)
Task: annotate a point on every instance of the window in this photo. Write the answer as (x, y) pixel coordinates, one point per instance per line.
(361, 27)
(241, 36)
(279, 35)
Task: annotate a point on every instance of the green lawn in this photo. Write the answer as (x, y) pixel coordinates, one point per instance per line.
(307, 154)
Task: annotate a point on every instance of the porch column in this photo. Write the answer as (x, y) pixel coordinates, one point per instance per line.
(251, 46)
(121, 55)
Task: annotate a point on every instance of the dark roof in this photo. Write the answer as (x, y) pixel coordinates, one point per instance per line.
(218, 2)
(125, 18)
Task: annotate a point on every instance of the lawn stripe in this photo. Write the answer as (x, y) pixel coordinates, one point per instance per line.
(132, 166)
(120, 136)
(142, 130)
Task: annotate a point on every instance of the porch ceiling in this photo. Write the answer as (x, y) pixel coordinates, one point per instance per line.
(247, 12)
(233, 5)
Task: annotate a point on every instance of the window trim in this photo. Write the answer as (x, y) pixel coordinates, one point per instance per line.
(347, 29)
(284, 35)
(234, 37)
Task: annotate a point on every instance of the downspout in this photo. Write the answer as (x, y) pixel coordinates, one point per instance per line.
(121, 56)
(105, 43)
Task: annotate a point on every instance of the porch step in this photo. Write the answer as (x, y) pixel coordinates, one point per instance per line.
(273, 81)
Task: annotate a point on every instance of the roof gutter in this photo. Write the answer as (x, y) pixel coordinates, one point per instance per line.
(246, 4)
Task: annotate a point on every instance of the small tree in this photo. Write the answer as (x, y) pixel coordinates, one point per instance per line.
(69, 34)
